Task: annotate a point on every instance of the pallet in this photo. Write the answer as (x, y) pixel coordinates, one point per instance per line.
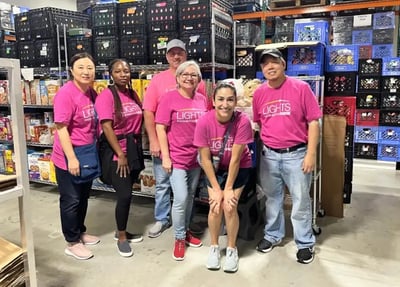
(285, 4)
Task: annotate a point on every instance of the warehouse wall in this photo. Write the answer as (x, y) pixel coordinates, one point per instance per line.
(64, 4)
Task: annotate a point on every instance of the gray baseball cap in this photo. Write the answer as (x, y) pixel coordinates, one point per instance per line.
(176, 43)
(271, 52)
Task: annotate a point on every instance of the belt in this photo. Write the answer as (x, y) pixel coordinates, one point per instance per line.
(288, 149)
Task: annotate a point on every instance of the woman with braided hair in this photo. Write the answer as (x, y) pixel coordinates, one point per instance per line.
(120, 115)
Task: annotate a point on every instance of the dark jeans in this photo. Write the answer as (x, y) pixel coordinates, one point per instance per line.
(73, 205)
(123, 189)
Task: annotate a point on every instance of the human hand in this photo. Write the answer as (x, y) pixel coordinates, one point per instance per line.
(122, 166)
(155, 149)
(167, 164)
(74, 167)
(309, 163)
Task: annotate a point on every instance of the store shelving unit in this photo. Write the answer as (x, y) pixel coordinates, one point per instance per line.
(318, 9)
(21, 190)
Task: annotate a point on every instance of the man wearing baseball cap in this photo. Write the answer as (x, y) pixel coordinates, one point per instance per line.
(160, 84)
(288, 114)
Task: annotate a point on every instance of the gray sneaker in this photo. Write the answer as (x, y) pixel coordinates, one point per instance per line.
(213, 261)
(124, 248)
(131, 237)
(231, 261)
(158, 228)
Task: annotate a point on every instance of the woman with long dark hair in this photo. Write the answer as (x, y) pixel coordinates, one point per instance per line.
(120, 115)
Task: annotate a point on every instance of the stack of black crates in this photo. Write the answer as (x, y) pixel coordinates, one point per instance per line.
(39, 34)
(162, 17)
(7, 32)
(195, 26)
(132, 32)
(105, 33)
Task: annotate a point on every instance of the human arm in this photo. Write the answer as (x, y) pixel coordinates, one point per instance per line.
(313, 139)
(215, 194)
(66, 144)
(163, 140)
(149, 123)
(122, 164)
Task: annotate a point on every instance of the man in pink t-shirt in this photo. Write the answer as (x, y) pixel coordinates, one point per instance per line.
(160, 84)
(288, 114)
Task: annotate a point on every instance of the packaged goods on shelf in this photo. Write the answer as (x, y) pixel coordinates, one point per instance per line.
(147, 180)
(4, 92)
(5, 129)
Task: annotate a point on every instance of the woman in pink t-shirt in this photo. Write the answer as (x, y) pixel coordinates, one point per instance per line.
(176, 117)
(120, 114)
(222, 136)
(75, 122)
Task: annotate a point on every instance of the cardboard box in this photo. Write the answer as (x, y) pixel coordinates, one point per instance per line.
(333, 140)
(52, 87)
(33, 165)
(5, 129)
(44, 168)
(100, 85)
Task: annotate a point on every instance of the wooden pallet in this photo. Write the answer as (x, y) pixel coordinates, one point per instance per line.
(285, 4)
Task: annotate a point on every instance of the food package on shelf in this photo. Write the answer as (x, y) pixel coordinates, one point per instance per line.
(4, 94)
(147, 179)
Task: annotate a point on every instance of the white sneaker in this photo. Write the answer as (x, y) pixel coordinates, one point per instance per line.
(232, 260)
(213, 261)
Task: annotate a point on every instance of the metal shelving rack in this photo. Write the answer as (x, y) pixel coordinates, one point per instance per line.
(21, 190)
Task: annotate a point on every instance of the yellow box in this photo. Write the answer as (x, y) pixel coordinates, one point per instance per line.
(100, 85)
(52, 173)
(145, 83)
(137, 87)
(44, 168)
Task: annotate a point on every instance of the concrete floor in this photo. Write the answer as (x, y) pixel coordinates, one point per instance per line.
(361, 249)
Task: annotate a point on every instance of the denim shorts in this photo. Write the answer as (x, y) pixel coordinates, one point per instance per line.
(241, 179)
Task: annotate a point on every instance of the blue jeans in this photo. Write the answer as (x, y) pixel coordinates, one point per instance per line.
(184, 184)
(277, 169)
(73, 205)
(163, 192)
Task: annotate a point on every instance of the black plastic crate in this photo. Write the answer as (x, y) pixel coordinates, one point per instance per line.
(348, 165)
(78, 44)
(132, 13)
(22, 26)
(389, 118)
(246, 63)
(111, 30)
(194, 25)
(26, 53)
(365, 150)
(340, 83)
(104, 15)
(47, 53)
(390, 101)
(135, 30)
(8, 50)
(158, 46)
(162, 16)
(391, 84)
(198, 46)
(349, 137)
(44, 22)
(385, 36)
(370, 67)
(283, 37)
(369, 84)
(368, 101)
(105, 49)
(347, 191)
(134, 49)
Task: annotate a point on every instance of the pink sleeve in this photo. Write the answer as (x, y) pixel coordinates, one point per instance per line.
(244, 134)
(63, 111)
(163, 114)
(200, 133)
(105, 105)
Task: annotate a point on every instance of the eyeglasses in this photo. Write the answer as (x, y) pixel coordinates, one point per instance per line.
(185, 75)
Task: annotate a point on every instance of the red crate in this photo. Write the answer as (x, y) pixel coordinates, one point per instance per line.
(341, 106)
(367, 117)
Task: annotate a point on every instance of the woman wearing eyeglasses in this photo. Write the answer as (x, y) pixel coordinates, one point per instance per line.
(222, 136)
(176, 117)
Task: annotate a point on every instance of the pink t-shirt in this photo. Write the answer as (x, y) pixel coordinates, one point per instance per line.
(75, 109)
(284, 113)
(210, 133)
(180, 115)
(131, 121)
(160, 84)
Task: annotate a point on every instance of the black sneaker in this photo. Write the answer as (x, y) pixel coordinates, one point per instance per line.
(305, 255)
(266, 246)
(131, 238)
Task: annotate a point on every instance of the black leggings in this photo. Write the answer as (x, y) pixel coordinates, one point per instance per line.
(123, 189)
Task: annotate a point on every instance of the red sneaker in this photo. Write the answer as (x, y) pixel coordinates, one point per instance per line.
(192, 241)
(179, 250)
